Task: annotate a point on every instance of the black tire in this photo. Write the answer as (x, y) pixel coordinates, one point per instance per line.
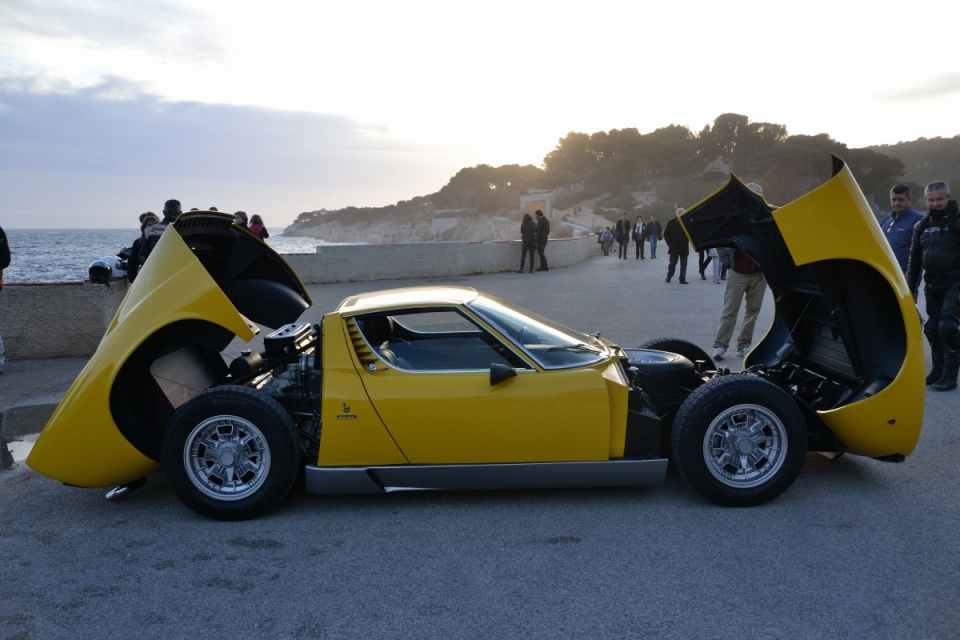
(739, 441)
(659, 364)
(231, 453)
(685, 348)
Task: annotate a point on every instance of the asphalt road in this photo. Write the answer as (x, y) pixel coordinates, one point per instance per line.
(855, 549)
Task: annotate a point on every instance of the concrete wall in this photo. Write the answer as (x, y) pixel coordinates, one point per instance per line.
(362, 263)
(56, 320)
(68, 319)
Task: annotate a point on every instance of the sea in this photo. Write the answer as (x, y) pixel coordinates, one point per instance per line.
(65, 255)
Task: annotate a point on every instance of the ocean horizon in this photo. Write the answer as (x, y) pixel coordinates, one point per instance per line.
(65, 255)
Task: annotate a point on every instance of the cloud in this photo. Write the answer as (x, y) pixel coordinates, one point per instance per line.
(78, 154)
(931, 88)
(160, 25)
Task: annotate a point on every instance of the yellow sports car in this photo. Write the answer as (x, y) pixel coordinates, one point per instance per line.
(448, 388)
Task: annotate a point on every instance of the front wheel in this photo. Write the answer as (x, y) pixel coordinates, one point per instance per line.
(683, 347)
(739, 441)
(231, 453)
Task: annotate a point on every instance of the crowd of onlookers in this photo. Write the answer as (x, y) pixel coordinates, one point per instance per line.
(152, 227)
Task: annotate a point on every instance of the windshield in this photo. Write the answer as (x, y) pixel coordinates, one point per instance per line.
(552, 345)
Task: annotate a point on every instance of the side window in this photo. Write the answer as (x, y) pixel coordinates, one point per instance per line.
(434, 340)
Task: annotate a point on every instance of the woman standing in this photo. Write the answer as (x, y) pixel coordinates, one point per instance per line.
(639, 236)
(528, 237)
(257, 228)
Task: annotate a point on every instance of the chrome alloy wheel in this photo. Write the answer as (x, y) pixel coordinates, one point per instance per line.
(226, 457)
(745, 446)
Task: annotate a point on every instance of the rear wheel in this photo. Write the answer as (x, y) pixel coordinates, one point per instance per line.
(739, 441)
(231, 453)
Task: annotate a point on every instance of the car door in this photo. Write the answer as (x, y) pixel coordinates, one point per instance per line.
(430, 382)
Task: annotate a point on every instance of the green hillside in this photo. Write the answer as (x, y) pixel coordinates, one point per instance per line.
(623, 169)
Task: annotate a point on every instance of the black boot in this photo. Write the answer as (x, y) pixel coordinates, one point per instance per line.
(936, 371)
(951, 365)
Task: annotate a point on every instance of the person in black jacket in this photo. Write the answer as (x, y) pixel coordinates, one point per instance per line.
(4, 263)
(677, 246)
(528, 240)
(543, 232)
(171, 211)
(935, 250)
(135, 261)
(639, 236)
(622, 233)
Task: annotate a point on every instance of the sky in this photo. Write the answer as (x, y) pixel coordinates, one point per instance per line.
(107, 108)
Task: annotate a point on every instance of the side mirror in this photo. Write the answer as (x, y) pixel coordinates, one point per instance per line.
(500, 372)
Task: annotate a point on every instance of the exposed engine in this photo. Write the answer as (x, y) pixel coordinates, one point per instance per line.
(290, 371)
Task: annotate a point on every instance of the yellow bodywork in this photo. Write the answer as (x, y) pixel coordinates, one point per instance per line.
(373, 414)
(81, 444)
(890, 421)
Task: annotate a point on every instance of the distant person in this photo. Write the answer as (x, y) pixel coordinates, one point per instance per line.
(257, 228)
(240, 219)
(898, 226)
(744, 281)
(935, 252)
(135, 261)
(677, 247)
(622, 232)
(639, 237)
(213, 209)
(543, 232)
(654, 233)
(528, 240)
(4, 263)
(171, 211)
(606, 239)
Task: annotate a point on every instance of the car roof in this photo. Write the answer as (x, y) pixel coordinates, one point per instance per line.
(407, 297)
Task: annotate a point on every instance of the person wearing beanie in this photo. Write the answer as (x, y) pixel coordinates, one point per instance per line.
(171, 211)
(935, 254)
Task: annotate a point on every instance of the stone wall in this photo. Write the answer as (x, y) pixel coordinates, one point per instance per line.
(56, 320)
(362, 263)
(68, 319)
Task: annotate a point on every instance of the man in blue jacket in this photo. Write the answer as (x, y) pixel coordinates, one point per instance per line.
(898, 226)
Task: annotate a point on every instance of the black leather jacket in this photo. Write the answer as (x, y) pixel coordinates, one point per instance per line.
(935, 249)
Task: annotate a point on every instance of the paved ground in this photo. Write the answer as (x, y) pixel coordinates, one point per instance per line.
(856, 548)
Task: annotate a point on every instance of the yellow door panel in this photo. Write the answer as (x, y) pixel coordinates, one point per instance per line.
(458, 417)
